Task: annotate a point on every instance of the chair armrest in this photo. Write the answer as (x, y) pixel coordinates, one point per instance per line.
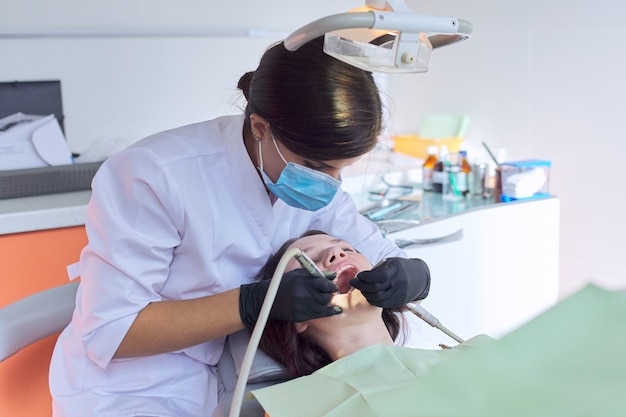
(35, 317)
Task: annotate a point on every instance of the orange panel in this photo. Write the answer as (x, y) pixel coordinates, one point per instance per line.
(32, 262)
(35, 261)
(24, 388)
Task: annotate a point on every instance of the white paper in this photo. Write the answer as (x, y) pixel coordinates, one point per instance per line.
(31, 141)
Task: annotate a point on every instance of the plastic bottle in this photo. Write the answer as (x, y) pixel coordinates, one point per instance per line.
(428, 167)
(463, 175)
(438, 174)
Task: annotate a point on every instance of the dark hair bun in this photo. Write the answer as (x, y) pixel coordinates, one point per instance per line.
(244, 83)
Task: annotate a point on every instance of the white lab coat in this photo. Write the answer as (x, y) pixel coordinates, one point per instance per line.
(181, 214)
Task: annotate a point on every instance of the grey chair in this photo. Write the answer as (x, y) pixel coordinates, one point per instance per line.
(35, 317)
(45, 313)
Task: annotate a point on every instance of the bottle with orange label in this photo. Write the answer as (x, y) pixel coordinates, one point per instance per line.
(438, 173)
(428, 167)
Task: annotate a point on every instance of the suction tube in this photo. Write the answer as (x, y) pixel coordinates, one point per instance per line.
(246, 365)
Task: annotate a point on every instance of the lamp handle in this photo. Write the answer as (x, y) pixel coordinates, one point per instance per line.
(447, 29)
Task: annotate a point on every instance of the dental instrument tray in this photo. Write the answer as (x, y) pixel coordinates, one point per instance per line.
(389, 208)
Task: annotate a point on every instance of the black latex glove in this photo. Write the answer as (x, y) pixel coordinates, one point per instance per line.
(300, 297)
(394, 282)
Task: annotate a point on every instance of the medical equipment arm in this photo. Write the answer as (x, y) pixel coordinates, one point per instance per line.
(394, 282)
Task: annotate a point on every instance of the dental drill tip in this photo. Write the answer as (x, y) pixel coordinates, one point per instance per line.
(330, 275)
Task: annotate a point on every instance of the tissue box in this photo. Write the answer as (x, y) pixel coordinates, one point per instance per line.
(525, 179)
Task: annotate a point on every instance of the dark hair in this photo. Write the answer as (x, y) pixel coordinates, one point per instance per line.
(317, 106)
(296, 352)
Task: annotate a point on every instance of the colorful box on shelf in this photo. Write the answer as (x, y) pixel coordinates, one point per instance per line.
(525, 179)
(416, 146)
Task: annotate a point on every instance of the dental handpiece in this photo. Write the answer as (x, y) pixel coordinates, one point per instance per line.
(308, 264)
(423, 314)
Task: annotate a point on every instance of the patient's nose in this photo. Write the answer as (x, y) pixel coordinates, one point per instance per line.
(335, 254)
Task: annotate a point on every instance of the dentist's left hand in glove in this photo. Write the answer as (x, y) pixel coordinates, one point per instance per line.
(394, 282)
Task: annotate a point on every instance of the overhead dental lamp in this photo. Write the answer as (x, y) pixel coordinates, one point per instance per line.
(383, 36)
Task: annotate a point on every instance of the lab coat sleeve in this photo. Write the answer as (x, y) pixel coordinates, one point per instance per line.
(132, 227)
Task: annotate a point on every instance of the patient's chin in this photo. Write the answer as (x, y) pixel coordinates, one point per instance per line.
(353, 300)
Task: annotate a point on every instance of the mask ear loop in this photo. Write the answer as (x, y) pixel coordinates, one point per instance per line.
(258, 141)
(278, 150)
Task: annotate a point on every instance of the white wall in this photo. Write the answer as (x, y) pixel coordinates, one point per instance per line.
(543, 79)
(127, 88)
(539, 78)
(117, 85)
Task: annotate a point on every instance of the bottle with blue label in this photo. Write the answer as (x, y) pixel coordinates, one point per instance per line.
(462, 178)
(451, 173)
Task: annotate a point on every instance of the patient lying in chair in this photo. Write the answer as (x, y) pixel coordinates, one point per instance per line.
(348, 372)
(303, 348)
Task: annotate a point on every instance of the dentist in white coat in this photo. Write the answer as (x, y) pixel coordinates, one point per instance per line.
(180, 222)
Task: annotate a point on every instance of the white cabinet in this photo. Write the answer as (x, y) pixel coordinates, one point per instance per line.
(501, 272)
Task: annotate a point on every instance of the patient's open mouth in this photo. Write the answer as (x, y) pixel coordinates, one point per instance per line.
(344, 274)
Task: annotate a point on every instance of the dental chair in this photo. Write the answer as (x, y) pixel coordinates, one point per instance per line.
(35, 317)
(264, 372)
(27, 332)
(43, 314)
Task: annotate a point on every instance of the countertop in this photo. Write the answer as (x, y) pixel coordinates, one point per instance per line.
(372, 173)
(51, 211)
(54, 211)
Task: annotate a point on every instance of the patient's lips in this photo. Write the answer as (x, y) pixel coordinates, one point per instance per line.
(345, 272)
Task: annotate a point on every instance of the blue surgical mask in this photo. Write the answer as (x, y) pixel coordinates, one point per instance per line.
(299, 186)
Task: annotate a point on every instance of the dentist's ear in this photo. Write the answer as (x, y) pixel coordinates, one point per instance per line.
(259, 126)
(301, 327)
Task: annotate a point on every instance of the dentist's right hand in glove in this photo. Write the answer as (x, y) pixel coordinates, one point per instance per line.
(300, 297)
